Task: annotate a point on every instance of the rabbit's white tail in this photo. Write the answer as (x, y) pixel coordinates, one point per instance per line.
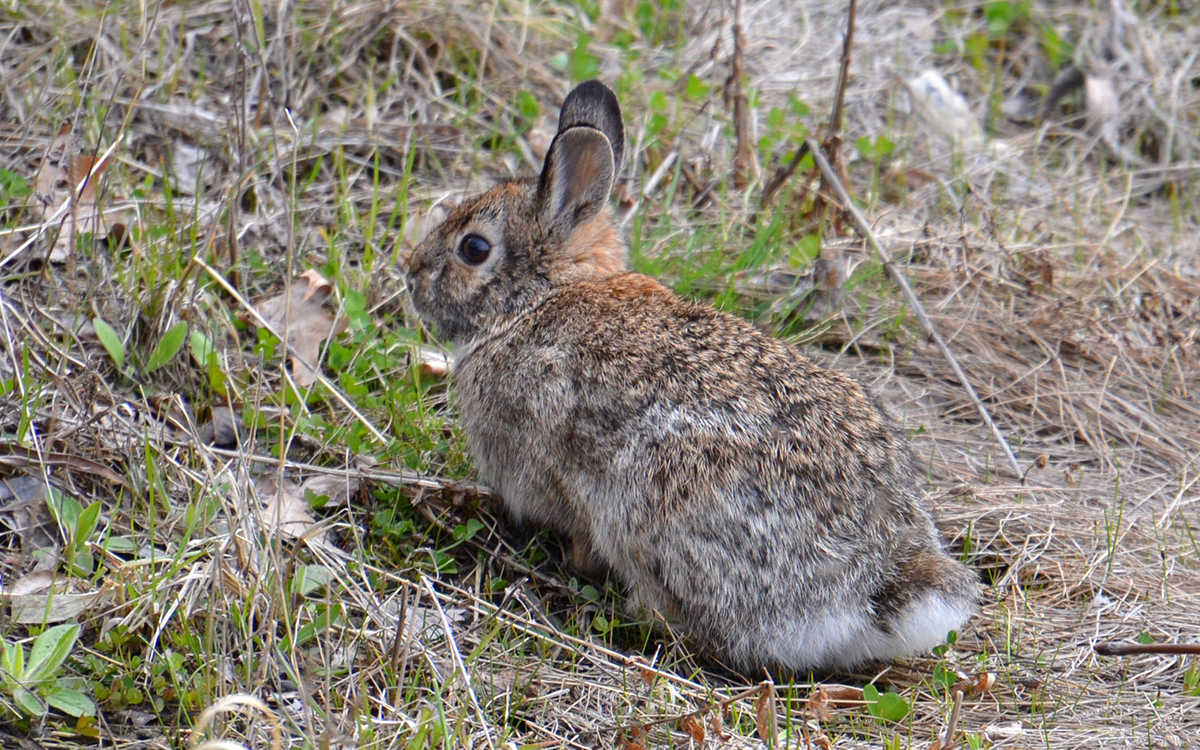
(925, 625)
(844, 639)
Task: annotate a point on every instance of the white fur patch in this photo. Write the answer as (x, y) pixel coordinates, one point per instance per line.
(846, 639)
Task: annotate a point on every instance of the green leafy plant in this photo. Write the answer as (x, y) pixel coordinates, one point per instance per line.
(1003, 15)
(78, 524)
(875, 150)
(111, 342)
(32, 681)
(13, 188)
(205, 355)
(1191, 679)
(582, 64)
(886, 707)
(168, 346)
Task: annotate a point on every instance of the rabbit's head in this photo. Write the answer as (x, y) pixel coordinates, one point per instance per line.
(501, 252)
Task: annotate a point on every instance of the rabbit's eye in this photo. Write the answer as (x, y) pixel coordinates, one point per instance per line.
(474, 249)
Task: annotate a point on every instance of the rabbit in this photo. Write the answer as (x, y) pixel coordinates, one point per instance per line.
(730, 482)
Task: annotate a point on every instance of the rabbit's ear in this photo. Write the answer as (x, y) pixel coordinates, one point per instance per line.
(593, 104)
(573, 191)
(577, 178)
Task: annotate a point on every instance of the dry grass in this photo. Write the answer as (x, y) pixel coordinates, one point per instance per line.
(250, 143)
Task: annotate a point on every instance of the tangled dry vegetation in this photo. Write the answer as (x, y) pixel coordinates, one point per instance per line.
(306, 538)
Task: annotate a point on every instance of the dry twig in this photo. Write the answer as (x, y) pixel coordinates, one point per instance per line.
(918, 309)
(1116, 648)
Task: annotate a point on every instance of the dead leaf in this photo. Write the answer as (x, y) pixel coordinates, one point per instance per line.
(647, 674)
(67, 175)
(339, 489)
(1100, 99)
(434, 363)
(187, 167)
(843, 696)
(818, 704)
(764, 714)
(716, 725)
(23, 509)
(692, 727)
(632, 738)
(821, 742)
(980, 684)
(298, 315)
(285, 511)
(1000, 732)
(35, 583)
(222, 429)
(42, 597)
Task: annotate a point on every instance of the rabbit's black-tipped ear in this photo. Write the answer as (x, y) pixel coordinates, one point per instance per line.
(577, 178)
(593, 104)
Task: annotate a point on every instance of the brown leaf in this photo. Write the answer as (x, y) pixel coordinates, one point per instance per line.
(285, 511)
(300, 317)
(24, 511)
(982, 683)
(764, 714)
(716, 725)
(821, 742)
(818, 704)
(43, 598)
(843, 696)
(65, 175)
(647, 674)
(36, 583)
(632, 739)
(223, 427)
(339, 489)
(692, 727)
(318, 287)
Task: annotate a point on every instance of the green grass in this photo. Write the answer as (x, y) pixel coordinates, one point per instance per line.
(116, 356)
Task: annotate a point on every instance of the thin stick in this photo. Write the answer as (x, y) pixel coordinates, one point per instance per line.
(833, 132)
(839, 101)
(782, 175)
(952, 726)
(1117, 648)
(918, 309)
(744, 160)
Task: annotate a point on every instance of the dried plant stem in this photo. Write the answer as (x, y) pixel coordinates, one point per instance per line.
(456, 655)
(864, 228)
(833, 133)
(745, 163)
(1116, 648)
(839, 100)
(757, 690)
(947, 738)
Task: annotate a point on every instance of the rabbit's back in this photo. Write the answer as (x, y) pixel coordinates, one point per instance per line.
(723, 475)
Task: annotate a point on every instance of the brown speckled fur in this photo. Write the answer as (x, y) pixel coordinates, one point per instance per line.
(727, 479)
